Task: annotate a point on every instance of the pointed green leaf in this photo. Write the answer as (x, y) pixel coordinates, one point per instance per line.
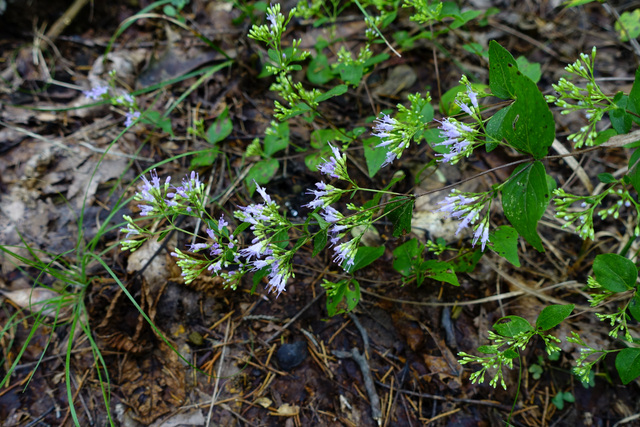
(634, 307)
(500, 63)
(628, 364)
(441, 271)
(528, 126)
(400, 212)
(510, 326)
(615, 272)
(505, 243)
(552, 315)
(524, 200)
(365, 256)
(220, 128)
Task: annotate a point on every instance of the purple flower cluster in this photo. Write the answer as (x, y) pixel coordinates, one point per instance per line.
(265, 223)
(335, 167)
(382, 129)
(457, 139)
(344, 251)
(96, 92)
(151, 193)
(458, 206)
(131, 117)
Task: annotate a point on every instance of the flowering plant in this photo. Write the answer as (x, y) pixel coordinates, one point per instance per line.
(525, 125)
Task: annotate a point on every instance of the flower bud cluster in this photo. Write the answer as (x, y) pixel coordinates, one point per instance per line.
(589, 99)
(397, 133)
(583, 214)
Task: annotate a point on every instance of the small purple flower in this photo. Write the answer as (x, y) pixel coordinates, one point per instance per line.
(255, 250)
(96, 92)
(464, 108)
(128, 98)
(481, 233)
(319, 194)
(131, 117)
(273, 20)
(345, 252)
(215, 249)
(263, 193)
(331, 215)
(472, 96)
(384, 126)
(215, 267)
(222, 223)
(145, 210)
(195, 247)
(329, 168)
(390, 157)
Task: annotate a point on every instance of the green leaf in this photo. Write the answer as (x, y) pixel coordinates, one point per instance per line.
(261, 172)
(408, 257)
(634, 170)
(319, 242)
(536, 371)
(621, 120)
(351, 73)
(552, 315)
(352, 294)
(607, 178)
(628, 364)
(374, 156)
(365, 256)
(336, 91)
(510, 326)
(524, 199)
(494, 125)
(500, 63)
(634, 95)
(528, 126)
(448, 105)
(155, 119)
(278, 141)
(628, 25)
(634, 307)
(573, 3)
(204, 159)
(529, 69)
(488, 349)
(604, 136)
(510, 353)
(614, 272)
(335, 298)
(220, 128)
(440, 270)
(467, 262)
(558, 400)
(319, 71)
(505, 243)
(400, 212)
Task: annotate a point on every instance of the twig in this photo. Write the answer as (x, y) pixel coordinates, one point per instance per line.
(214, 395)
(63, 22)
(369, 384)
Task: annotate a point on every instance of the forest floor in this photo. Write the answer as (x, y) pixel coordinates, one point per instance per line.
(263, 360)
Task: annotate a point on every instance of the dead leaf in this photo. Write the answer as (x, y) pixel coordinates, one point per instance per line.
(287, 410)
(40, 300)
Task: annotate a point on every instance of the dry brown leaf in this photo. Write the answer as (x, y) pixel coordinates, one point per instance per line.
(37, 300)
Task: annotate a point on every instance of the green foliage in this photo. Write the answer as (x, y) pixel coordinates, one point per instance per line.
(628, 26)
(524, 199)
(559, 399)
